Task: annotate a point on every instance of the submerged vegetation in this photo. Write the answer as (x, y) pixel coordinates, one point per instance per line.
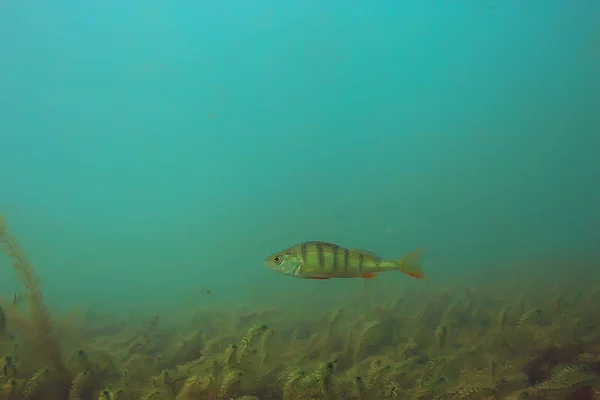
(431, 343)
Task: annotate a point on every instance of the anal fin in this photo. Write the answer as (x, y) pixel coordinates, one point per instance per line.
(369, 275)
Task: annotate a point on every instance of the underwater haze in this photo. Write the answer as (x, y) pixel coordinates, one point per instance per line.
(154, 153)
(157, 158)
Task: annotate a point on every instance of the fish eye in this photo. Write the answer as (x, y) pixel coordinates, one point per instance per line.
(277, 260)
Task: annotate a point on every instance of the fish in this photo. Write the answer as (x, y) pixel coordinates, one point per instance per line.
(17, 299)
(3, 323)
(322, 260)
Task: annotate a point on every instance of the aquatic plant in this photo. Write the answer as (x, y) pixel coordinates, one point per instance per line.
(457, 342)
(38, 329)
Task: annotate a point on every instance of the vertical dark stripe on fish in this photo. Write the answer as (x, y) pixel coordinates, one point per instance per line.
(346, 259)
(321, 256)
(303, 252)
(334, 251)
(360, 262)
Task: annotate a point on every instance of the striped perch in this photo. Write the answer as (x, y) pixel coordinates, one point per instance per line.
(321, 260)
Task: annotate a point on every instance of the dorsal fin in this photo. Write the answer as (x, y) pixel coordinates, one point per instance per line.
(368, 253)
(321, 243)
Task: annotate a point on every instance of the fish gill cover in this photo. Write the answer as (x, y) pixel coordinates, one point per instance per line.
(152, 155)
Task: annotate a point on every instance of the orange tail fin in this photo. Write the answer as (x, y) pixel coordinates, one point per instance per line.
(410, 264)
